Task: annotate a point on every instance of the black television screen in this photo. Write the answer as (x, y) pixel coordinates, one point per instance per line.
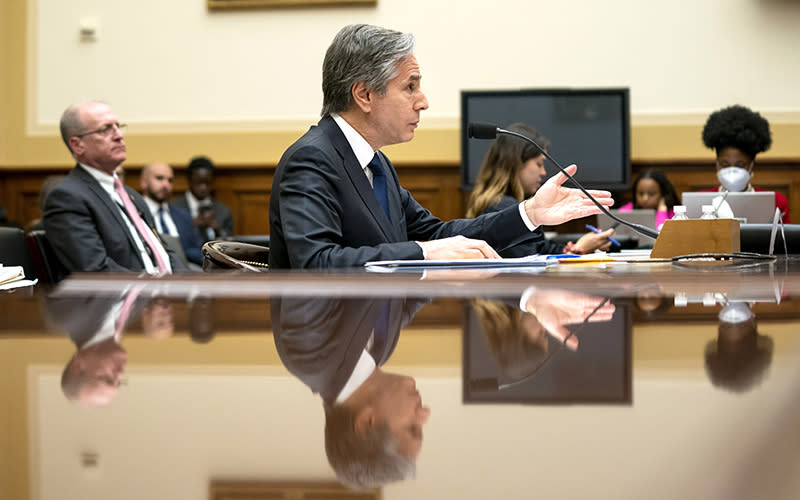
(588, 127)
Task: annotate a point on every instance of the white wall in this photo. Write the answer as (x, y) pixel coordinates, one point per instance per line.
(173, 62)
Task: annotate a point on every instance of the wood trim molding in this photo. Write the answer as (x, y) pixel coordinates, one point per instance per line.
(299, 490)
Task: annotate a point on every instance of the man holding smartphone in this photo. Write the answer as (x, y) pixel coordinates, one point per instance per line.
(212, 219)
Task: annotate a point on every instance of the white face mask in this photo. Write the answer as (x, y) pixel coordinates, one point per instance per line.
(734, 179)
(735, 312)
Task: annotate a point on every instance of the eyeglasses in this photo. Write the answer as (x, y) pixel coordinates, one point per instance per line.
(105, 131)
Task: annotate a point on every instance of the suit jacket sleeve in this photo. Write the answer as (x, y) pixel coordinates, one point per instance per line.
(73, 234)
(501, 229)
(532, 243)
(319, 220)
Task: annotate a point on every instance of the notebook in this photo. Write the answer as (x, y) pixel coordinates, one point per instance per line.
(755, 207)
(645, 217)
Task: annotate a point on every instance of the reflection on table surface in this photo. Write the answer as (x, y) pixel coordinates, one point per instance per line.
(635, 382)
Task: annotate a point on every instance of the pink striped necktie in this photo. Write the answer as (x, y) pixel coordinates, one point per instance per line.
(144, 232)
(125, 311)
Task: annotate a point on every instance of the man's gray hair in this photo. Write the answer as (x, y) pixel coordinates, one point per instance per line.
(71, 123)
(361, 53)
(368, 461)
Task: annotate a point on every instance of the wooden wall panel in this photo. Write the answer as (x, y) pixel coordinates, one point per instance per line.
(19, 193)
(781, 177)
(246, 190)
(252, 215)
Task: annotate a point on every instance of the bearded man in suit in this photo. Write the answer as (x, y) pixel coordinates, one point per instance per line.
(156, 185)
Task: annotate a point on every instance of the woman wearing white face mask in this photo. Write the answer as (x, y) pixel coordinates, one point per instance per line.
(738, 134)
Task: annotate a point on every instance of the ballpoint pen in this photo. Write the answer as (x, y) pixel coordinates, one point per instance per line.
(597, 231)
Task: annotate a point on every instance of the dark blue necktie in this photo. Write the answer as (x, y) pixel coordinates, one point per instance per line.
(380, 335)
(379, 183)
(161, 221)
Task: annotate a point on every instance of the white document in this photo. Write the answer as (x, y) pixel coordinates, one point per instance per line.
(521, 262)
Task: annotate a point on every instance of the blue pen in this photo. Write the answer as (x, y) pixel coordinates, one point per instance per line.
(563, 256)
(597, 231)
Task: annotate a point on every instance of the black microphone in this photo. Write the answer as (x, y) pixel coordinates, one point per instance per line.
(489, 131)
(482, 130)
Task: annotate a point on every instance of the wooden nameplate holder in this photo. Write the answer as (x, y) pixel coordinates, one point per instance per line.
(681, 237)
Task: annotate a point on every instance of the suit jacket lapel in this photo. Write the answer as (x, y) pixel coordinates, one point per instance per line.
(359, 179)
(110, 204)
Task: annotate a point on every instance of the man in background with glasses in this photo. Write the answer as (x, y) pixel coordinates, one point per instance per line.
(92, 220)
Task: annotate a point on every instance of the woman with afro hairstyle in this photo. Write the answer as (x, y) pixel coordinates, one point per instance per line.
(738, 134)
(512, 171)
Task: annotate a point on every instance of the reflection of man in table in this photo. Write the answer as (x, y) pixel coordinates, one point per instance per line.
(373, 418)
(96, 325)
(738, 359)
(157, 319)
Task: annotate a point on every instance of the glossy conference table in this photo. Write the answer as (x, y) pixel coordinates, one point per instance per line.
(618, 381)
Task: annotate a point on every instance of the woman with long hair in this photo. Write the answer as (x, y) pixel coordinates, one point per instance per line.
(512, 171)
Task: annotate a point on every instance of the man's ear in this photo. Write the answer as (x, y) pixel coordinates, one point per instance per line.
(362, 96)
(75, 145)
(364, 421)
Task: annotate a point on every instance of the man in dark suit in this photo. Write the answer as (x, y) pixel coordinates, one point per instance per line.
(93, 222)
(156, 185)
(373, 418)
(93, 374)
(96, 325)
(336, 200)
(212, 219)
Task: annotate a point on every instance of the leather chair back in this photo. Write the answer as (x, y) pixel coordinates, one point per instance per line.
(14, 252)
(48, 268)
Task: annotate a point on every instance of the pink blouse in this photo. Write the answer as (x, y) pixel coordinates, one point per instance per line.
(661, 215)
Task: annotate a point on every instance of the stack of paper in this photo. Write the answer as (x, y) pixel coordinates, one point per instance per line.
(13, 277)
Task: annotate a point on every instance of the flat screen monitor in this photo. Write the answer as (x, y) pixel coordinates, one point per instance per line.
(588, 127)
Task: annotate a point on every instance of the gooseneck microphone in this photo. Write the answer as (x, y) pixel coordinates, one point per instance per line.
(489, 131)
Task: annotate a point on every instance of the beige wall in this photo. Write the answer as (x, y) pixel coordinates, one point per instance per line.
(242, 85)
(245, 418)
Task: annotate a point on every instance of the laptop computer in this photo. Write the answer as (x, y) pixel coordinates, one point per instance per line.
(755, 207)
(645, 217)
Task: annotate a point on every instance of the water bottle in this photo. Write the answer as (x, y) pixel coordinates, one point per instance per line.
(679, 212)
(708, 212)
